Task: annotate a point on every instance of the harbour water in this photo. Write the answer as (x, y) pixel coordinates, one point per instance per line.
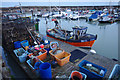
(107, 41)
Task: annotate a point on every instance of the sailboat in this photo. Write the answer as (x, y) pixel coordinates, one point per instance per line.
(108, 18)
(74, 17)
(95, 16)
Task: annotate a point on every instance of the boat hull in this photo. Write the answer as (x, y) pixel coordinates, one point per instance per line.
(39, 15)
(87, 44)
(93, 19)
(74, 18)
(106, 21)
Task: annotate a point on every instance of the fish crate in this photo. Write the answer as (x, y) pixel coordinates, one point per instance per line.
(90, 73)
(41, 54)
(115, 74)
(62, 58)
(31, 65)
(55, 53)
(34, 67)
(21, 54)
(55, 50)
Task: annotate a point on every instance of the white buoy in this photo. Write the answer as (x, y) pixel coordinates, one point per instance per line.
(36, 46)
(92, 51)
(35, 42)
(46, 41)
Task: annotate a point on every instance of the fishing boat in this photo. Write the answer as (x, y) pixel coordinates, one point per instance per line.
(116, 16)
(68, 16)
(45, 15)
(74, 17)
(106, 19)
(78, 37)
(91, 11)
(59, 14)
(39, 14)
(82, 14)
(11, 16)
(68, 10)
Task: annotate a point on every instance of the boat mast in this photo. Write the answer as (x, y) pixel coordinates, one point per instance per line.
(59, 4)
(59, 13)
(78, 15)
(49, 15)
(21, 8)
(50, 5)
(110, 7)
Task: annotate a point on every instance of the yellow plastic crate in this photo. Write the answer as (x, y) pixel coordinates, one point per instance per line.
(62, 58)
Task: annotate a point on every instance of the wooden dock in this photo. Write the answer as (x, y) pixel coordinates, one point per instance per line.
(94, 58)
(65, 71)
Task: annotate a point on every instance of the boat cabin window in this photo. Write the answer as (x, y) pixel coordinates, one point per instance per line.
(79, 32)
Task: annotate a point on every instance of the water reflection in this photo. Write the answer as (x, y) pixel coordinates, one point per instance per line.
(93, 23)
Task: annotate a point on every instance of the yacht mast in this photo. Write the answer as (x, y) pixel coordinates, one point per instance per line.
(110, 7)
(20, 8)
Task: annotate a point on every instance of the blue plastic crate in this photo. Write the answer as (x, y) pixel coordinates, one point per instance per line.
(23, 54)
(115, 72)
(35, 67)
(25, 43)
(90, 74)
(29, 63)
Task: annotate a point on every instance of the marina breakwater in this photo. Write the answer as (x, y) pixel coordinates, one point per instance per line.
(55, 8)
